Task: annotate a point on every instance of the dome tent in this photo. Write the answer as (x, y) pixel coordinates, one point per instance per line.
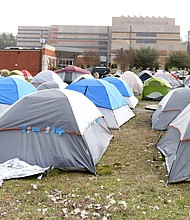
(155, 88)
(170, 107)
(175, 146)
(70, 73)
(11, 90)
(52, 85)
(134, 82)
(107, 98)
(144, 75)
(45, 76)
(27, 75)
(124, 89)
(62, 130)
(172, 80)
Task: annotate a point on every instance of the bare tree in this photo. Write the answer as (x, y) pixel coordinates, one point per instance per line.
(89, 59)
(124, 58)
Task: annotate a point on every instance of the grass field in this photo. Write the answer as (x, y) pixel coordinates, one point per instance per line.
(131, 184)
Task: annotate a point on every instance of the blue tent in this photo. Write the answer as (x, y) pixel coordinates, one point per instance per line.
(101, 93)
(121, 85)
(107, 99)
(124, 89)
(12, 89)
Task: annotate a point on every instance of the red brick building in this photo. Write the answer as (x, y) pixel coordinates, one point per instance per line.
(33, 60)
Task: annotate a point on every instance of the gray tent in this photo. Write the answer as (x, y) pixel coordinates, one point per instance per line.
(45, 76)
(170, 107)
(54, 127)
(175, 146)
(52, 85)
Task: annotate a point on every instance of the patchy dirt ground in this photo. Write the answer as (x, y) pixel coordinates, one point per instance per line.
(130, 185)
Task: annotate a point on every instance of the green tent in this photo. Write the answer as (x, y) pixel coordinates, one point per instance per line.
(155, 88)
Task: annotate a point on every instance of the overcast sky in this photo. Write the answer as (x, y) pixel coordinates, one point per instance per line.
(16, 13)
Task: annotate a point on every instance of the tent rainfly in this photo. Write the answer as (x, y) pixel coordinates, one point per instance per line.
(107, 98)
(45, 76)
(134, 82)
(11, 90)
(124, 89)
(144, 75)
(52, 85)
(59, 128)
(171, 79)
(175, 146)
(155, 88)
(70, 73)
(170, 107)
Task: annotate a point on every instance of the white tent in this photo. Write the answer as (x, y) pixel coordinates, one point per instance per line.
(134, 82)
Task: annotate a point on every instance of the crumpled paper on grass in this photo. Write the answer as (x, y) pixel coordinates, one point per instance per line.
(15, 168)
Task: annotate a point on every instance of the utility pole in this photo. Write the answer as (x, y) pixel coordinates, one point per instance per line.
(42, 41)
(188, 43)
(108, 47)
(130, 38)
(130, 47)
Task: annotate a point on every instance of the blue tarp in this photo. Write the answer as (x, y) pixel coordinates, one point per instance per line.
(101, 93)
(121, 85)
(12, 89)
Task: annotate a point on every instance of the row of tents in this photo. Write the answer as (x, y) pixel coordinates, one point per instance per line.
(60, 122)
(172, 117)
(149, 86)
(47, 122)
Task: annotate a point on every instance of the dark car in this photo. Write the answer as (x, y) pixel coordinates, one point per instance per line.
(101, 70)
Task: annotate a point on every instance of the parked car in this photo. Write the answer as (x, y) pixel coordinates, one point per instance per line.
(101, 70)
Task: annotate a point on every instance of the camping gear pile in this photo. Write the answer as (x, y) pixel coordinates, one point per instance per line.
(60, 125)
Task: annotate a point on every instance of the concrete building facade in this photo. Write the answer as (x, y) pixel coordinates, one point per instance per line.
(32, 36)
(71, 39)
(126, 32)
(141, 32)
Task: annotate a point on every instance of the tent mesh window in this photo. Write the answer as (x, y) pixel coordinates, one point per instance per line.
(68, 76)
(154, 84)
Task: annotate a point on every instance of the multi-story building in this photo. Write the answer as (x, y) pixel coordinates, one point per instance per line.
(140, 32)
(68, 40)
(32, 36)
(125, 33)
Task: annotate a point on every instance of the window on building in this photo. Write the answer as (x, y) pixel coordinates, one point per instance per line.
(146, 34)
(146, 41)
